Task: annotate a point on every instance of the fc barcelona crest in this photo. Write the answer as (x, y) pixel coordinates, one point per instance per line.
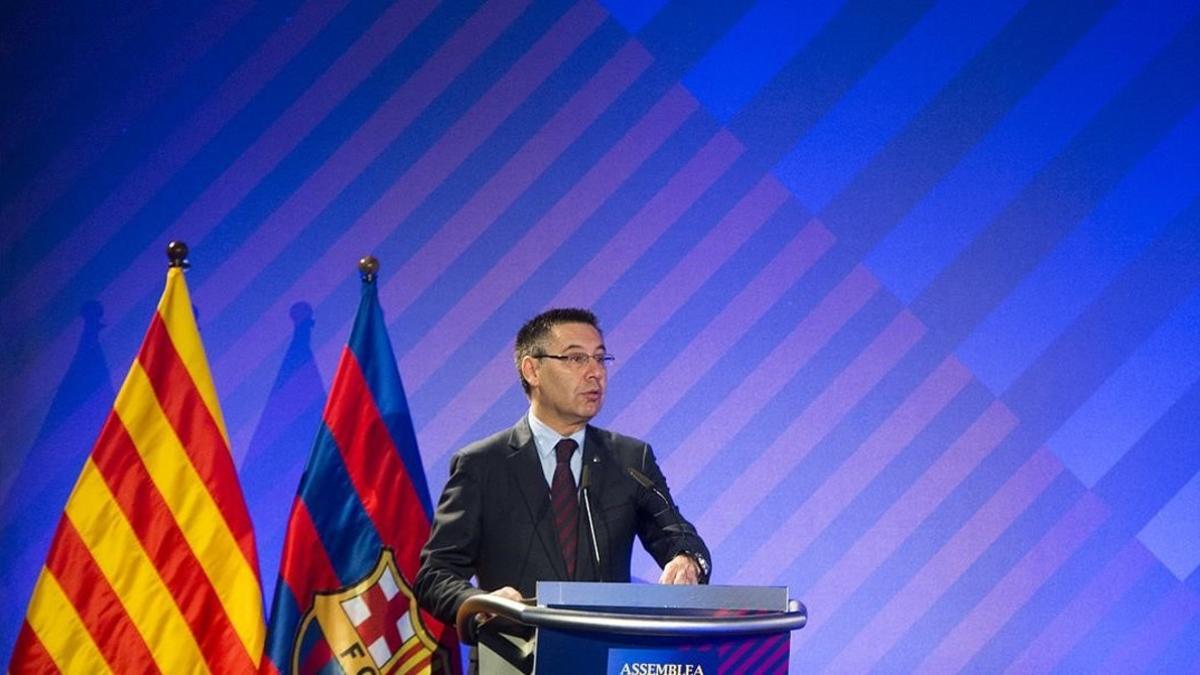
(371, 626)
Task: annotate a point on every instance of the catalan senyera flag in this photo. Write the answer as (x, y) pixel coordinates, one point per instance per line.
(153, 566)
(344, 600)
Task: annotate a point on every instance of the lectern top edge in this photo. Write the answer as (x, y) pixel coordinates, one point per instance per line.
(635, 596)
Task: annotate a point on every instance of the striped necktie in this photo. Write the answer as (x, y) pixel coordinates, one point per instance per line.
(565, 503)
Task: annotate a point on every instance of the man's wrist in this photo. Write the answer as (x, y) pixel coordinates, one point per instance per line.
(702, 563)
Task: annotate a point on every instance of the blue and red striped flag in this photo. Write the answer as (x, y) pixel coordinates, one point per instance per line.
(344, 599)
(153, 566)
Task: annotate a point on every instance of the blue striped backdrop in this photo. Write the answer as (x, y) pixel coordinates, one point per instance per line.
(906, 294)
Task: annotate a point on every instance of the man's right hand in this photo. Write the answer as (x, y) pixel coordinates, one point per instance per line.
(508, 593)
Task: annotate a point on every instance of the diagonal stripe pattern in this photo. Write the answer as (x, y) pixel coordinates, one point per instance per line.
(750, 196)
(153, 565)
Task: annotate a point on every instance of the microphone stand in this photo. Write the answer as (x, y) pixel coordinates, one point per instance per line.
(585, 484)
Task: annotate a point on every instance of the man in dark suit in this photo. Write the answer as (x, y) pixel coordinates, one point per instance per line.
(510, 514)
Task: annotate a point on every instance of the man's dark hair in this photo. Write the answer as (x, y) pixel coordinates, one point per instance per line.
(531, 339)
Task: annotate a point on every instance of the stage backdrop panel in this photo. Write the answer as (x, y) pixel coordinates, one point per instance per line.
(905, 295)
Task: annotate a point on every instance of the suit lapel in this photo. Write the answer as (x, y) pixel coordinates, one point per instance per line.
(526, 470)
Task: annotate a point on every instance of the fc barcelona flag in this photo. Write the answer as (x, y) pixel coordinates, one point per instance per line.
(153, 566)
(344, 600)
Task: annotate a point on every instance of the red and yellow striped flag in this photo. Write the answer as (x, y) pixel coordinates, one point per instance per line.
(153, 565)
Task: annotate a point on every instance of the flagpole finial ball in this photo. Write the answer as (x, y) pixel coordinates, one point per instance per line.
(368, 266)
(177, 254)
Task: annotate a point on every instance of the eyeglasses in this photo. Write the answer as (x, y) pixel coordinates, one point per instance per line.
(578, 359)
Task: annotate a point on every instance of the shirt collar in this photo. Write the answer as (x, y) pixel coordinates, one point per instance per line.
(546, 438)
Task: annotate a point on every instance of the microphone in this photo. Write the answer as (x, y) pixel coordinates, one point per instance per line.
(585, 485)
(671, 520)
(674, 524)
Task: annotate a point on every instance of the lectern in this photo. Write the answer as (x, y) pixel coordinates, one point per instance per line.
(635, 629)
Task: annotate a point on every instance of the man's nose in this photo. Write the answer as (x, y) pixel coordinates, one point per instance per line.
(594, 370)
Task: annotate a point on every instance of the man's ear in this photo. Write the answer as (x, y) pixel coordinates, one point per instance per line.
(529, 370)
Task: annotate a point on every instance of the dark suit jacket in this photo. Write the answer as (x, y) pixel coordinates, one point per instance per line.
(494, 520)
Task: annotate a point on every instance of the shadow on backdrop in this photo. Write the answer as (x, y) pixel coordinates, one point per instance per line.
(34, 504)
(279, 448)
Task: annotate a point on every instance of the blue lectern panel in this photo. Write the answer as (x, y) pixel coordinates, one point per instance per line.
(607, 653)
